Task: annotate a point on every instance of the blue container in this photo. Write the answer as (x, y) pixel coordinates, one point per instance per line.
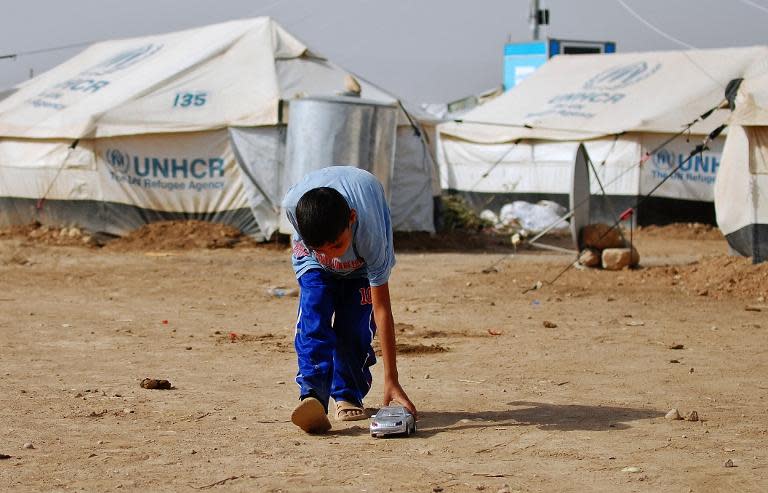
(522, 59)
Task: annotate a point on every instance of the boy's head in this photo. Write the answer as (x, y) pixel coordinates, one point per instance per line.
(324, 220)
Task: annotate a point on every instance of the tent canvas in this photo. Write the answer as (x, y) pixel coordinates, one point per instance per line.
(741, 191)
(622, 106)
(135, 130)
(490, 175)
(4, 93)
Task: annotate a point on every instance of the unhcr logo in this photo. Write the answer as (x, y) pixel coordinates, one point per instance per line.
(123, 60)
(117, 161)
(664, 160)
(621, 76)
(201, 174)
(198, 168)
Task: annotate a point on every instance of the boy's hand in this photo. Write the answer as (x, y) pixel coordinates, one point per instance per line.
(394, 392)
(382, 314)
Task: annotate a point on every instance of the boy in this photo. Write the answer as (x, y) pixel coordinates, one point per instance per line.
(342, 256)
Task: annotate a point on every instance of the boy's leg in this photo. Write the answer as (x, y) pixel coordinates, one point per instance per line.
(355, 328)
(315, 340)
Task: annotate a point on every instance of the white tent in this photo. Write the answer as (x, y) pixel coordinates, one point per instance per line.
(741, 191)
(621, 106)
(136, 130)
(4, 93)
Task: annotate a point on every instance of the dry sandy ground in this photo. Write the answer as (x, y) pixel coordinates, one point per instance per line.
(563, 408)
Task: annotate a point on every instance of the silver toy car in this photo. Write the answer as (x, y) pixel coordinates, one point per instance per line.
(392, 420)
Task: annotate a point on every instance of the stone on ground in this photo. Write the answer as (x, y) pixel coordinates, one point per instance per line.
(619, 258)
(589, 257)
(601, 236)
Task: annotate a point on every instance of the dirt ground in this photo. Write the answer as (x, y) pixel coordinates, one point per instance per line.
(564, 388)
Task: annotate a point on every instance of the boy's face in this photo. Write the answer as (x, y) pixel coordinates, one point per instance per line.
(341, 244)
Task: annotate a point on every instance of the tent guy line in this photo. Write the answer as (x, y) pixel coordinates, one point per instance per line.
(496, 163)
(47, 50)
(529, 126)
(755, 5)
(14, 56)
(658, 31)
(676, 40)
(642, 160)
(41, 201)
(700, 148)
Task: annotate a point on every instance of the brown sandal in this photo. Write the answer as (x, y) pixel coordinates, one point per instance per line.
(346, 411)
(310, 416)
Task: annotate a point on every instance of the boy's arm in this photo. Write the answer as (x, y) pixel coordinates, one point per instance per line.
(385, 326)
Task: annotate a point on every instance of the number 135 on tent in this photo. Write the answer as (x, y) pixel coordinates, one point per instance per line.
(187, 99)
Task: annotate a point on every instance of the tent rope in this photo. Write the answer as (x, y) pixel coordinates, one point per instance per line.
(640, 162)
(602, 188)
(700, 148)
(656, 149)
(419, 131)
(528, 126)
(487, 172)
(655, 29)
(42, 199)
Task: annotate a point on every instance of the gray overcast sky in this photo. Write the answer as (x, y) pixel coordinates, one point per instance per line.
(421, 50)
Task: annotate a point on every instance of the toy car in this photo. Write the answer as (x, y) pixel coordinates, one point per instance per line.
(392, 420)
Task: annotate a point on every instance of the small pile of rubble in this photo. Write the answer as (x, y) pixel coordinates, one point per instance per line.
(50, 235)
(604, 246)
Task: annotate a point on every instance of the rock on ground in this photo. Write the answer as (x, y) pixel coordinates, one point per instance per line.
(601, 236)
(590, 257)
(618, 258)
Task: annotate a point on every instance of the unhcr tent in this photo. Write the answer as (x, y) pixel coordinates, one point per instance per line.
(4, 93)
(137, 130)
(522, 145)
(741, 190)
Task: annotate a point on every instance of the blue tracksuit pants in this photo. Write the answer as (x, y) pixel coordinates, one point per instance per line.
(334, 331)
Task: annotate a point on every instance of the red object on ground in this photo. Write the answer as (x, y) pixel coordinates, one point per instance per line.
(232, 336)
(165, 322)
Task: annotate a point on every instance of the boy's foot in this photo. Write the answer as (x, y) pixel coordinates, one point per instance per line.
(310, 416)
(346, 411)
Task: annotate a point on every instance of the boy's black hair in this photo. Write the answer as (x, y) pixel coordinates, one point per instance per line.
(322, 214)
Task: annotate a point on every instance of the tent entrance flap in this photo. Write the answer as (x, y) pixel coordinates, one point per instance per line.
(260, 152)
(579, 199)
(740, 198)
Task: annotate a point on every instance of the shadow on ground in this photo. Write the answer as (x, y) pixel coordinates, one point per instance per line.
(545, 416)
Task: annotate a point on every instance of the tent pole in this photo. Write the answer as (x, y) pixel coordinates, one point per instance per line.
(534, 19)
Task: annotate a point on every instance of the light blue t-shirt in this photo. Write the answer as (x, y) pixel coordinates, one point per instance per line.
(371, 253)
